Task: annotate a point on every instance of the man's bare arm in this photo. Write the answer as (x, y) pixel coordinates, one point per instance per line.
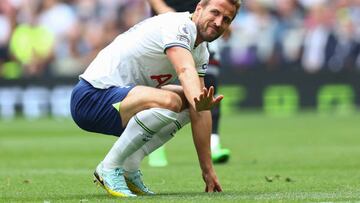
(199, 100)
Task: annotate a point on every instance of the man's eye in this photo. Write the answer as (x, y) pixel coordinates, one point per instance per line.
(227, 20)
(215, 12)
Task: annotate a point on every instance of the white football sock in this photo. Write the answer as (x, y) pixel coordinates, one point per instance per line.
(132, 163)
(214, 142)
(139, 130)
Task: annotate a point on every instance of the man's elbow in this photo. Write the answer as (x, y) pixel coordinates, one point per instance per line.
(181, 70)
(185, 71)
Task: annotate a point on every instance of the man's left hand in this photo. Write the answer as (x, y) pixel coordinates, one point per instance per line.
(206, 100)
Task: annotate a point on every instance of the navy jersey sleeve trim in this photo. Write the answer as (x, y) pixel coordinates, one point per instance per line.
(167, 46)
(201, 75)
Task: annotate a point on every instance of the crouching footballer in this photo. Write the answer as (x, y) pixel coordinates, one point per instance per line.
(126, 91)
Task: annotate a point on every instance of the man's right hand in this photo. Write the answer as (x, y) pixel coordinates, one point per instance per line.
(212, 182)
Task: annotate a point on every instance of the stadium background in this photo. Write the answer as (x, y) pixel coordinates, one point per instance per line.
(282, 56)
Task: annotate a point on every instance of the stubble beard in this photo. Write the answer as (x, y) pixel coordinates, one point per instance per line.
(206, 37)
(210, 38)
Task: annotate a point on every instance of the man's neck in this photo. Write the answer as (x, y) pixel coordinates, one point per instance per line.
(197, 40)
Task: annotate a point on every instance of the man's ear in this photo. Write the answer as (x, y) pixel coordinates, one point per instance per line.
(197, 10)
(198, 7)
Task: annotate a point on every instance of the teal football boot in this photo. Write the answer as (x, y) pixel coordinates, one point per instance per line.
(112, 181)
(135, 183)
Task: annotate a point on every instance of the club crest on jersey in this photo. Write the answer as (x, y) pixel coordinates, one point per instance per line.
(183, 29)
(184, 34)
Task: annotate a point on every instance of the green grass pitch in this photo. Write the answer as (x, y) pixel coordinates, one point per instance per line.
(303, 158)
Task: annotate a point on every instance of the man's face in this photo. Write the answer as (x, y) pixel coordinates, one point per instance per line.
(214, 19)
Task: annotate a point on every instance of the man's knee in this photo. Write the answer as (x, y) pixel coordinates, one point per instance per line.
(141, 98)
(171, 101)
(180, 92)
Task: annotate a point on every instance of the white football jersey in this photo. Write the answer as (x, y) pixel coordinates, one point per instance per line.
(137, 57)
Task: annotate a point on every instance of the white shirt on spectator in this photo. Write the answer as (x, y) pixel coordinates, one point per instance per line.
(5, 29)
(58, 19)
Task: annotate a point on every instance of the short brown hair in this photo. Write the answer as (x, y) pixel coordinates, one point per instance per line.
(236, 3)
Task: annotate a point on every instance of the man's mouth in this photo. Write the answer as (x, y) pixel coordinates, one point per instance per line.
(213, 29)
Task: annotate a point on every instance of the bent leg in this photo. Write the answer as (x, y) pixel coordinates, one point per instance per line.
(139, 131)
(178, 89)
(92, 108)
(132, 163)
(144, 111)
(142, 97)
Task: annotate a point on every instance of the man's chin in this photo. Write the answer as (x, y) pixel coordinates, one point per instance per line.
(212, 38)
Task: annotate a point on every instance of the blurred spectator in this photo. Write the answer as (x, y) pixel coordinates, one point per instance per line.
(289, 33)
(96, 29)
(5, 27)
(318, 38)
(308, 4)
(7, 24)
(57, 17)
(32, 45)
(133, 13)
(346, 44)
(253, 36)
(71, 53)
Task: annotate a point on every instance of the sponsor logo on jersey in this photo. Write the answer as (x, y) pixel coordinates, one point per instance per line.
(204, 66)
(183, 38)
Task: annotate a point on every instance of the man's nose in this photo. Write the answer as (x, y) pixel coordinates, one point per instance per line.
(218, 21)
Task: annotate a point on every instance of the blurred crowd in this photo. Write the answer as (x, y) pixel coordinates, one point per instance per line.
(52, 38)
(311, 35)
